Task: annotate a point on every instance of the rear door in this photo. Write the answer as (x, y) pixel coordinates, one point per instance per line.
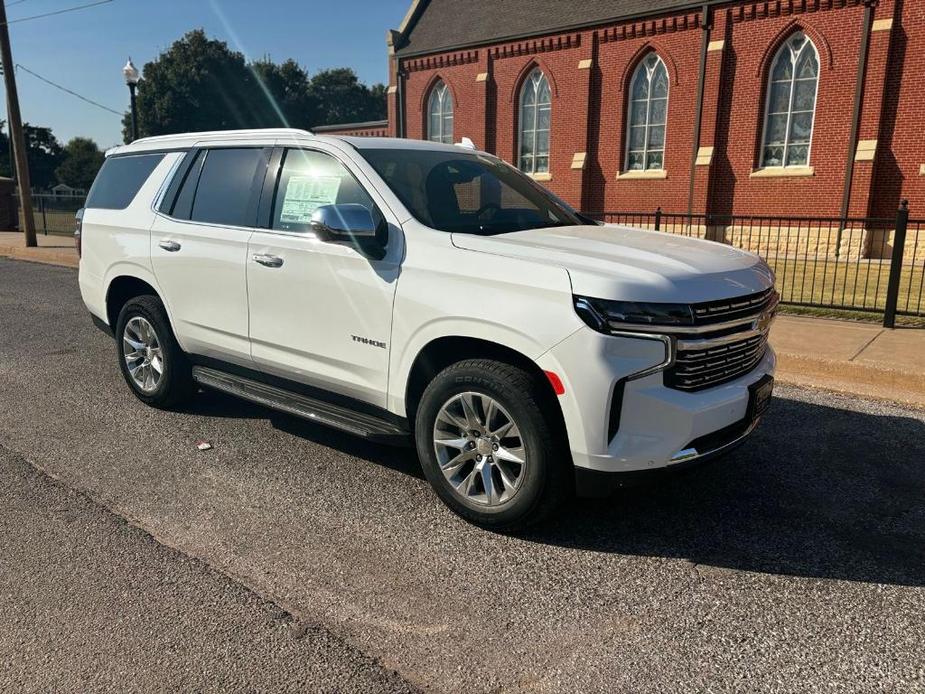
(199, 249)
(320, 313)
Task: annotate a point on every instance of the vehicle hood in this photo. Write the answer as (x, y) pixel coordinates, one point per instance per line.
(615, 262)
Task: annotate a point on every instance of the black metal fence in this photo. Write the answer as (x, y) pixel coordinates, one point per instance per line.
(857, 264)
(54, 214)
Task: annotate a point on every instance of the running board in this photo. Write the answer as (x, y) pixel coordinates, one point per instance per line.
(357, 423)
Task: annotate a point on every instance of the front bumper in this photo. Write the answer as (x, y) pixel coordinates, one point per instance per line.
(597, 483)
(657, 427)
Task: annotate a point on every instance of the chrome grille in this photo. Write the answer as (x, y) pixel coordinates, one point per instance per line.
(706, 358)
(730, 309)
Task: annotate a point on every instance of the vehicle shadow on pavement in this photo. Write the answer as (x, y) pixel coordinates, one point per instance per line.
(817, 492)
(401, 459)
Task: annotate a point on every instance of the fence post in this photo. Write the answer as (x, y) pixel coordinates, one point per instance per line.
(896, 265)
(658, 218)
(44, 221)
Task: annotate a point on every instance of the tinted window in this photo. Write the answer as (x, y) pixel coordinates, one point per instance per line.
(310, 180)
(120, 179)
(468, 193)
(184, 203)
(226, 193)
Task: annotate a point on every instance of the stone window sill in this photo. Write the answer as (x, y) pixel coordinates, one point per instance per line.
(651, 174)
(541, 176)
(783, 172)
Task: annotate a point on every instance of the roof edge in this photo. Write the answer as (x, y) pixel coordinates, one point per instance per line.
(400, 36)
(401, 53)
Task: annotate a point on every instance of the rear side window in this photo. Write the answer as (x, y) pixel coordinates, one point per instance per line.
(227, 188)
(120, 179)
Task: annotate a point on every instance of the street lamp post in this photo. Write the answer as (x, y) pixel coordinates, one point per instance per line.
(132, 77)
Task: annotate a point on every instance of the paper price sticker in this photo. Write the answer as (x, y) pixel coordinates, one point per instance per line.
(305, 194)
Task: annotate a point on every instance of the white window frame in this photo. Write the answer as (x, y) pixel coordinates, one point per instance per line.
(440, 97)
(531, 83)
(783, 50)
(648, 125)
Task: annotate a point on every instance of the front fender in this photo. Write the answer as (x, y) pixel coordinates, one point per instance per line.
(526, 317)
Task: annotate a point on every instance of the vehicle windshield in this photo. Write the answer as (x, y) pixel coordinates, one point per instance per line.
(468, 193)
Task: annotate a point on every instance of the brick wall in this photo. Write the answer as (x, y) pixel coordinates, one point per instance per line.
(589, 72)
(901, 152)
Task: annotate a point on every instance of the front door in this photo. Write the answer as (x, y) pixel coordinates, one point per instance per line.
(321, 313)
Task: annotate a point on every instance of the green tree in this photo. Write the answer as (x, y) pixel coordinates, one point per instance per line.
(82, 161)
(200, 84)
(44, 154)
(285, 90)
(6, 169)
(197, 84)
(340, 97)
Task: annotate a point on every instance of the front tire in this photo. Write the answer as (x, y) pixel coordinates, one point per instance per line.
(491, 444)
(151, 360)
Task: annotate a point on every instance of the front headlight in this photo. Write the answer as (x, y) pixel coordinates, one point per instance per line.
(605, 315)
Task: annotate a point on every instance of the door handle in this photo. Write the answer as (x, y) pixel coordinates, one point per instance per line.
(171, 246)
(268, 260)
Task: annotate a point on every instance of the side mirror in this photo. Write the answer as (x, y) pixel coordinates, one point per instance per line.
(352, 225)
(343, 223)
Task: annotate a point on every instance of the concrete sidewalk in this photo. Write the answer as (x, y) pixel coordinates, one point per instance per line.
(54, 250)
(846, 356)
(860, 358)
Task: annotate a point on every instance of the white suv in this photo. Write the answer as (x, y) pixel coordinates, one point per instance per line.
(413, 291)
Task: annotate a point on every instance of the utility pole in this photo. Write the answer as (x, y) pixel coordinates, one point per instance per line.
(16, 135)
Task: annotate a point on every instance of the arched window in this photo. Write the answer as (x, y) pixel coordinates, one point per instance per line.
(791, 104)
(440, 114)
(648, 112)
(535, 109)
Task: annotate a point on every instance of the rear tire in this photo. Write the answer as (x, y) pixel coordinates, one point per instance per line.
(474, 421)
(151, 360)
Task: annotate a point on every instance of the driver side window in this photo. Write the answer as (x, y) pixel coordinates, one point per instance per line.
(308, 180)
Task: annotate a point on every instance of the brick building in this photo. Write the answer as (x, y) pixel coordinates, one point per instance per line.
(791, 107)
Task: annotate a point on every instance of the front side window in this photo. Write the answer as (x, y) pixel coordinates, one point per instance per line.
(468, 193)
(535, 113)
(310, 179)
(791, 104)
(440, 114)
(648, 112)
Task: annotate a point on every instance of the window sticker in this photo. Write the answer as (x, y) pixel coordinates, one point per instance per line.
(305, 194)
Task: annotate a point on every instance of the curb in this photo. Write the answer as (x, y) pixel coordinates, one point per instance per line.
(49, 256)
(854, 378)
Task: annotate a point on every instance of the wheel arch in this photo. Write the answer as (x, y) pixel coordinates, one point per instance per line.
(443, 351)
(120, 290)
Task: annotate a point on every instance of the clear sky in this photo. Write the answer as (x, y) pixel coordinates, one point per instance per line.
(85, 50)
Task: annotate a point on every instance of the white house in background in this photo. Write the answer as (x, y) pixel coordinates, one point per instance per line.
(62, 190)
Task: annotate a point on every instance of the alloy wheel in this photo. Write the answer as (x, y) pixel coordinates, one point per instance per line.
(479, 449)
(143, 356)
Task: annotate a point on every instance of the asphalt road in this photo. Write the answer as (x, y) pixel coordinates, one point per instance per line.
(797, 564)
